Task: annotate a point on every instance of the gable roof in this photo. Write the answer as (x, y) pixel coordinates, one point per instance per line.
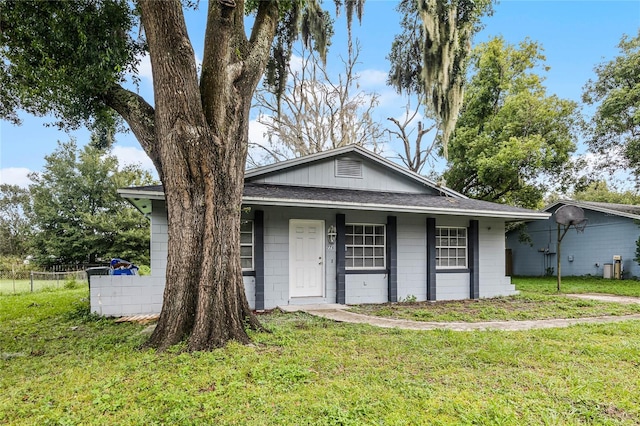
(445, 201)
(281, 166)
(625, 210)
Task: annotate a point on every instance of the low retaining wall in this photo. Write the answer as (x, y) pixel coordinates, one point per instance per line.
(120, 295)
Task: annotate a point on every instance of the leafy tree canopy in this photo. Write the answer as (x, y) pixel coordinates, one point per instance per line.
(599, 191)
(77, 213)
(62, 58)
(15, 229)
(616, 92)
(513, 141)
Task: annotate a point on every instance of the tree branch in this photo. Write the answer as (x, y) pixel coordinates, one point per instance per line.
(140, 116)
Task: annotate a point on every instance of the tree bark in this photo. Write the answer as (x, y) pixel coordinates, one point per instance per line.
(201, 136)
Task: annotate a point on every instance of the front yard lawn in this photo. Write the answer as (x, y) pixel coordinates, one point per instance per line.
(538, 300)
(60, 365)
(547, 285)
(512, 308)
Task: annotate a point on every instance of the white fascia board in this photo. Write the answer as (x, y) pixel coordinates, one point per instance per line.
(136, 193)
(394, 208)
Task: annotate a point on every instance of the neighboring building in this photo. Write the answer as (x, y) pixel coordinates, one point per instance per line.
(343, 226)
(611, 231)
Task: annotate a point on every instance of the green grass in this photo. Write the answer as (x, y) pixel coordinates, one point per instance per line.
(527, 306)
(548, 285)
(61, 365)
(9, 286)
(539, 299)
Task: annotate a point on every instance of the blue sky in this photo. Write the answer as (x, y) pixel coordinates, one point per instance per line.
(575, 35)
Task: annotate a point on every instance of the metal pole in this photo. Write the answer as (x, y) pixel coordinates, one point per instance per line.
(31, 274)
(558, 258)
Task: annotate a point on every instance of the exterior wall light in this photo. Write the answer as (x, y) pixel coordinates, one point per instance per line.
(331, 234)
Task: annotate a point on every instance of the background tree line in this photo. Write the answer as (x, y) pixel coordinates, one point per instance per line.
(513, 142)
(71, 213)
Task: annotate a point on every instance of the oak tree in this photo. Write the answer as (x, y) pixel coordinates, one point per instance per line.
(615, 125)
(513, 141)
(72, 59)
(429, 56)
(76, 213)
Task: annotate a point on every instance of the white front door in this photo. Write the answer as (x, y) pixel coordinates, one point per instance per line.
(306, 258)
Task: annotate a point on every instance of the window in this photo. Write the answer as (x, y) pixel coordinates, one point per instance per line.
(451, 248)
(246, 244)
(365, 246)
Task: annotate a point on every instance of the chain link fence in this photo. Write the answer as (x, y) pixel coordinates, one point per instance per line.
(21, 281)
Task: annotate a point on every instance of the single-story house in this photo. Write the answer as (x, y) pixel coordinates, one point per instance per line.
(611, 230)
(343, 226)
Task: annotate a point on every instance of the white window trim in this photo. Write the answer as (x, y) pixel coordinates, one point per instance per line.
(253, 245)
(384, 248)
(466, 249)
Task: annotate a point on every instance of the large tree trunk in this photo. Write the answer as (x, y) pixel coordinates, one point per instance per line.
(201, 133)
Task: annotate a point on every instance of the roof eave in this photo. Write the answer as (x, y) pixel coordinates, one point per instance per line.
(594, 208)
(139, 193)
(511, 216)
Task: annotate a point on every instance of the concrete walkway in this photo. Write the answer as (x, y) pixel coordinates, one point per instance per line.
(338, 313)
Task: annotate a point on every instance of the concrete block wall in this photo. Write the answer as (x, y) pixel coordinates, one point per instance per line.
(605, 236)
(412, 257)
(122, 295)
(366, 288)
(159, 239)
(493, 281)
(452, 286)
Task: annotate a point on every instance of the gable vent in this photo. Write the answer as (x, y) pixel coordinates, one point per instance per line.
(346, 167)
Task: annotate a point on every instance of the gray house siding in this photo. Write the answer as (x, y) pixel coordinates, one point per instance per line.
(412, 257)
(359, 287)
(288, 201)
(159, 238)
(323, 174)
(493, 281)
(606, 235)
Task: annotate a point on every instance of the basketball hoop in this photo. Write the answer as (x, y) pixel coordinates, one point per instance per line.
(580, 225)
(566, 216)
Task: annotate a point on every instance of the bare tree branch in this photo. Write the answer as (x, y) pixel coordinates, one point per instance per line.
(317, 112)
(414, 156)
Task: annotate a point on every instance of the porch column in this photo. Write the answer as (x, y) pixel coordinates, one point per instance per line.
(474, 260)
(431, 258)
(392, 258)
(258, 262)
(341, 240)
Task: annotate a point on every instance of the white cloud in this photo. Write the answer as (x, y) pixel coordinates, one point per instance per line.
(144, 68)
(127, 155)
(15, 176)
(258, 131)
(372, 78)
(295, 63)
(620, 178)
